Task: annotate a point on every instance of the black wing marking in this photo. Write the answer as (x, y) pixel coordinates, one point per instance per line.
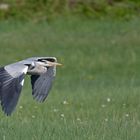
(42, 84)
(10, 89)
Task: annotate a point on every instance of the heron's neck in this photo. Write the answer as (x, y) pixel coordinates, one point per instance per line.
(37, 70)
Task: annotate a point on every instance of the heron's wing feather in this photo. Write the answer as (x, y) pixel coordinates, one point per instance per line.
(42, 84)
(10, 88)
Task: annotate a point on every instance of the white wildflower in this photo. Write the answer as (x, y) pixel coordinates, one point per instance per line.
(20, 107)
(65, 102)
(106, 119)
(124, 104)
(33, 116)
(55, 110)
(62, 115)
(78, 119)
(103, 106)
(127, 115)
(108, 99)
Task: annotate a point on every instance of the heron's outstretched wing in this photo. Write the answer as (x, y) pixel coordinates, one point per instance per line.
(42, 84)
(11, 82)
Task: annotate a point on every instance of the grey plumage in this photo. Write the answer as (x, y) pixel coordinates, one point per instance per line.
(42, 71)
(42, 84)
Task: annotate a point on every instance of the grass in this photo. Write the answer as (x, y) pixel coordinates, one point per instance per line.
(96, 93)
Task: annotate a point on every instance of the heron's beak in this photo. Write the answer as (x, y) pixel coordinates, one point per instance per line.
(53, 64)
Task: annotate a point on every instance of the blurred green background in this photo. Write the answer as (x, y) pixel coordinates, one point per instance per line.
(96, 94)
(48, 9)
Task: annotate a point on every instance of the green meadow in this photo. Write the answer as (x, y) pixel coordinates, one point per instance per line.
(96, 93)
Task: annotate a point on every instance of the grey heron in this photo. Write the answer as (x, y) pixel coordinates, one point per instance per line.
(42, 71)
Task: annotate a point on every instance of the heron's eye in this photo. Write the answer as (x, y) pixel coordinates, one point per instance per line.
(51, 60)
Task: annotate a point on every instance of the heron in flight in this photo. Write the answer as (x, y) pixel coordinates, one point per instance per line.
(42, 71)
